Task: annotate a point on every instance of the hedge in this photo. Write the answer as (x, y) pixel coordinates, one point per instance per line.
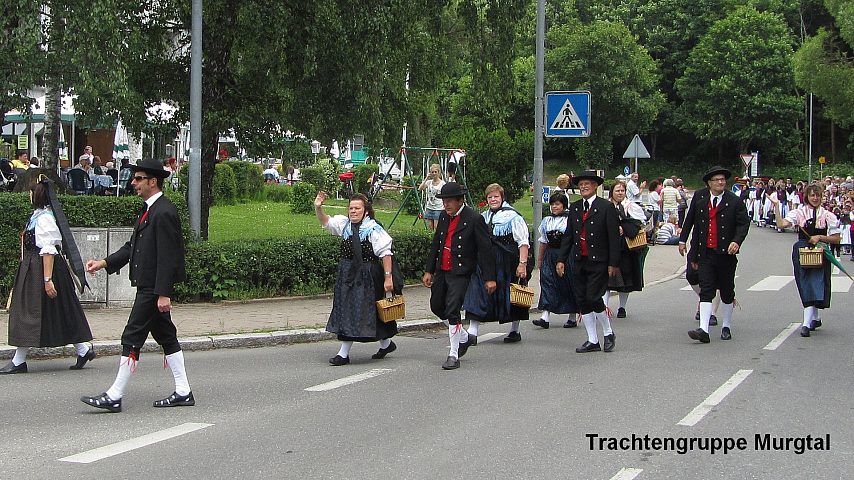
(281, 266)
(248, 179)
(315, 176)
(302, 198)
(224, 185)
(223, 270)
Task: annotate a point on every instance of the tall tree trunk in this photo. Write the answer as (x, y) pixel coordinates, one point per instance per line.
(52, 124)
(209, 153)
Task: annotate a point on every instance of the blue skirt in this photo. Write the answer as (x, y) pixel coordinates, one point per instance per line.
(556, 293)
(495, 307)
(813, 283)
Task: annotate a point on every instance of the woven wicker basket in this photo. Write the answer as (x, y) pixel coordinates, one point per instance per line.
(637, 242)
(521, 296)
(391, 308)
(810, 257)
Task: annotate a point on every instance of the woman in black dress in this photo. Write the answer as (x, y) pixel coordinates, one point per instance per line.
(45, 311)
(365, 275)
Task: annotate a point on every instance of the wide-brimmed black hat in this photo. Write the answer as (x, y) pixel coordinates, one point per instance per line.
(717, 169)
(452, 190)
(150, 166)
(588, 175)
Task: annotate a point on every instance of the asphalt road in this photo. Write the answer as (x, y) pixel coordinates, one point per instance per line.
(512, 411)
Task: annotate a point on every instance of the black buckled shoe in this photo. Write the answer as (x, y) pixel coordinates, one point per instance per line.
(338, 360)
(104, 402)
(513, 337)
(610, 342)
(815, 324)
(541, 323)
(700, 334)
(570, 323)
(713, 320)
(472, 340)
(726, 334)
(464, 347)
(381, 353)
(83, 359)
(805, 331)
(12, 369)
(621, 312)
(588, 347)
(176, 400)
(451, 363)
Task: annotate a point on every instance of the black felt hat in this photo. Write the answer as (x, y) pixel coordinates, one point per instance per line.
(452, 190)
(150, 166)
(717, 169)
(588, 175)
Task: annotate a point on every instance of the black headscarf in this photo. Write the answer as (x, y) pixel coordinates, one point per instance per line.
(69, 246)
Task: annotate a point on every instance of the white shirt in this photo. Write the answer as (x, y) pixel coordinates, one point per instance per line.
(632, 191)
(47, 232)
(379, 238)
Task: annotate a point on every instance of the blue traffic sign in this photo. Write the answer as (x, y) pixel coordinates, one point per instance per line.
(626, 171)
(568, 114)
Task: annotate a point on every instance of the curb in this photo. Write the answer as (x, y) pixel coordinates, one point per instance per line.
(242, 340)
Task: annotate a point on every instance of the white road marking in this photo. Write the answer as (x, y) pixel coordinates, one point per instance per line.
(106, 451)
(714, 399)
(840, 284)
(771, 283)
(627, 473)
(781, 337)
(342, 382)
(488, 336)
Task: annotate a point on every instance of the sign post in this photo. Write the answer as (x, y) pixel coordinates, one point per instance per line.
(636, 150)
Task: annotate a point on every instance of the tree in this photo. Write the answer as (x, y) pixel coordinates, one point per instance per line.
(605, 59)
(738, 83)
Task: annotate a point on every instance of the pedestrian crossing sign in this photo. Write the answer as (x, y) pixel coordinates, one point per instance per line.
(568, 114)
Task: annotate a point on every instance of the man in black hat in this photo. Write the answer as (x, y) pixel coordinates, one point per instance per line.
(461, 243)
(720, 223)
(155, 253)
(593, 239)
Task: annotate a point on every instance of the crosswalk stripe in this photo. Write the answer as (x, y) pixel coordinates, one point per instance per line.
(771, 283)
(132, 444)
(341, 382)
(627, 473)
(714, 399)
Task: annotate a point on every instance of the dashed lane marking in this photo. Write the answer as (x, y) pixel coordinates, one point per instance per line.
(771, 283)
(627, 473)
(840, 284)
(106, 451)
(781, 337)
(714, 399)
(342, 382)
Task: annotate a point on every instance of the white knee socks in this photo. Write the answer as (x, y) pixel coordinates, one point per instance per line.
(545, 316)
(474, 326)
(514, 326)
(344, 351)
(705, 315)
(726, 313)
(384, 343)
(179, 373)
(20, 355)
(82, 349)
(624, 299)
(126, 367)
(602, 318)
(809, 314)
(457, 334)
(589, 320)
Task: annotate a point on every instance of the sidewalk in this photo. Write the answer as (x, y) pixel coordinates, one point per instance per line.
(276, 321)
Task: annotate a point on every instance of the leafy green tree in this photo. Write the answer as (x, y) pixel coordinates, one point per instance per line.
(605, 59)
(738, 83)
(494, 156)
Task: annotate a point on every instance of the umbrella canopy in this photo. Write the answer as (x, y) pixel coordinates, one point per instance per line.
(832, 258)
(63, 147)
(120, 142)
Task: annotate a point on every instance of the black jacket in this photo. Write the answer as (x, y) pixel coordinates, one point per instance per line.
(603, 233)
(732, 219)
(470, 247)
(155, 251)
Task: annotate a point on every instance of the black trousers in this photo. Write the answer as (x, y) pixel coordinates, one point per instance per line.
(717, 272)
(145, 319)
(447, 295)
(589, 282)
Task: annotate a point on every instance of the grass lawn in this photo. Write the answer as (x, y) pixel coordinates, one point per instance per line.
(261, 220)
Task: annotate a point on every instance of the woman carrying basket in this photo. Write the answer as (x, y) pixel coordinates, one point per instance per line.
(365, 275)
(632, 221)
(815, 224)
(510, 245)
